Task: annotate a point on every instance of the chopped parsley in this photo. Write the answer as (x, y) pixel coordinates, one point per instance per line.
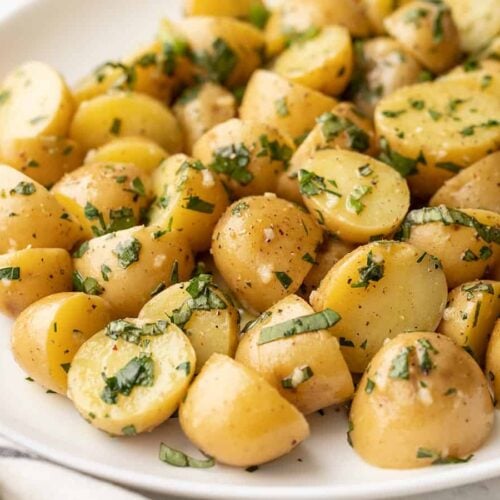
(332, 126)
(274, 150)
(405, 166)
(219, 63)
(311, 184)
(353, 202)
(87, 285)
(10, 273)
(233, 161)
(196, 204)
(284, 279)
(373, 271)
(127, 252)
(424, 350)
(400, 367)
(239, 208)
(24, 188)
(178, 458)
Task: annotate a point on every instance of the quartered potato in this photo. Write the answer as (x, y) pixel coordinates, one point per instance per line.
(35, 102)
(422, 401)
(245, 421)
(141, 152)
(201, 108)
(477, 186)
(470, 316)
(203, 312)
(128, 267)
(47, 335)
(493, 361)
(323, 63)
(190, 199)
(31, 217)
(428, 31)
(104, 197)
(31, 274)
(352, 195)
(249, 156)
(380, 290)
(466, 241)
(131, 376)
(288, 107)
(290, 346)
(276, 237)
(431, 131)
(124, 114)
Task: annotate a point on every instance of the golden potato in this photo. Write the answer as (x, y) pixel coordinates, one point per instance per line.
(429, 33)
(493, 361)
(477, 186)
(31, 216)
(422, 401)
(379, 290)
(223, 8)
(203, 312)
(288, 107)
(201, 108)
(141, 152)
(131, 376)
(31, 274)
(104, 197)
(47, 335)
(354, 196)
(378, 10)
(232, 414)
(45, 158)
(124, 114)
(276, 237)
(128, 267)
(465, 241)
(305, 366)
(470, 316)
(189, 200)
(249, 156)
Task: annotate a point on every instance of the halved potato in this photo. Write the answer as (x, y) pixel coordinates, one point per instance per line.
(131, 376)
(47, 335)
(232, 414)
(380, 290)
(31, 274)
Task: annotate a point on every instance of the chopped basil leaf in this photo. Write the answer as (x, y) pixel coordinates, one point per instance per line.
(405, 166)
(130, 332)
(373, 271)
(196, 204)
(88, 285)
(127, 252)
(284, 279)
(10, 273)
(178, 458)
(469, 256)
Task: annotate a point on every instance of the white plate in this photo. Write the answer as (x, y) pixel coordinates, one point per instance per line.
(74, 36)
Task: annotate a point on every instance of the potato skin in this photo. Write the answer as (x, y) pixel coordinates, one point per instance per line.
(410, 296)
(234, 415)
(47, 335)
(493, 361)
(330, 383)
(33, 219)
(451, 415)
(127, 289)
(43, 271)
(272, 234)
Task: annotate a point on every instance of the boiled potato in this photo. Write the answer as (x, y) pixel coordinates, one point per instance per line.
(477, 22)
(436, 407)
(276, 237)
(201, 108)
(477, 186)
(124, 114)
(289, 107)
(143, 153)
(354, 196)
(128, 267)
(432, 130)
(470, 316)
(31, 217)
(306, 367)
(131, 376)
(30, 274)
(298, 20)
(465, 241)
(225, 50)
(189, 199)
(328, 254)
(428, 31)
(480, 76)
(244, 421)
(249, 156)
(35, 102)
(47, 335)
(323, 63)
(45, 158)
(378, 10)
(379, 290)
(104, 197)
(382, 66)
(224, 8)
(493, 361)
(203, 312)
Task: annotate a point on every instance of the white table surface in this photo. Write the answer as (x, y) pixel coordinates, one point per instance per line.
(486, 490)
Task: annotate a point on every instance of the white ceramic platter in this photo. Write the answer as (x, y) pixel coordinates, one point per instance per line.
(74, 36)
